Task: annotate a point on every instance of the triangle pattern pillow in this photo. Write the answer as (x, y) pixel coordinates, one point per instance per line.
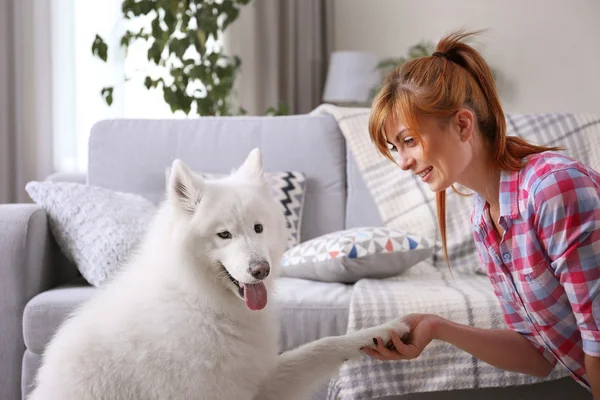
(289, 189)
(349, 255)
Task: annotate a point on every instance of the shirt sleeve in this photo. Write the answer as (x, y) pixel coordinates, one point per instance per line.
(568, 226)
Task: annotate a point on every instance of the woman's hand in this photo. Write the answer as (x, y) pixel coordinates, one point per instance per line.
(421, 334)
(502, 348)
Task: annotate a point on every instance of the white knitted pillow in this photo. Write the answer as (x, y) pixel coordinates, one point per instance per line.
(96, 228)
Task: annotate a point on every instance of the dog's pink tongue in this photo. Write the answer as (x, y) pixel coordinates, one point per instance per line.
(255, 296)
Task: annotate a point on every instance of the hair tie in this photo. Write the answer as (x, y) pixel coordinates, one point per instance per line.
(453, 57)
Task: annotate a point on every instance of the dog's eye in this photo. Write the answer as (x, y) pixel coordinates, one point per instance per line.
(258, 228)
(224, 235)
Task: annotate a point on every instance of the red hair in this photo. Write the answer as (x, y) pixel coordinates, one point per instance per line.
(437, 86)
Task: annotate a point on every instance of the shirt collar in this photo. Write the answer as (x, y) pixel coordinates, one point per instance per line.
(509, 193)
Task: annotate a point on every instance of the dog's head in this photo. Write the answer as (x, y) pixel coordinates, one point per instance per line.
(230, 227)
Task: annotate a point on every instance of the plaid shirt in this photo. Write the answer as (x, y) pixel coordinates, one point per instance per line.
(545, 269)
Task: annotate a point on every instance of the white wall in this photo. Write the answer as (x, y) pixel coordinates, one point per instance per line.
(548, 51)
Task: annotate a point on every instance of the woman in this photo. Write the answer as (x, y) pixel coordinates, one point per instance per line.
(536, 216)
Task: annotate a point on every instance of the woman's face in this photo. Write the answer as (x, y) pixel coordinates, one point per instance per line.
(443, 154)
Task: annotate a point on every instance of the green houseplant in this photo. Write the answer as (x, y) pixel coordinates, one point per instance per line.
(200, 78)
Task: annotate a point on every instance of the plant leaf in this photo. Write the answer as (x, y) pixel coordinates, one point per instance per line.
(99, 48)
(107, 94)
(179, 46)
(155, 51)
(146, 6)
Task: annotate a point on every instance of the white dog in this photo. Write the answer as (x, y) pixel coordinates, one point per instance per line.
(190, 316)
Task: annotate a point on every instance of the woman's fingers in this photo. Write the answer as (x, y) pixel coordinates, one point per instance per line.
(373, 353)
(386, 352)
(376, 353)
(401, 347)
(395, 349)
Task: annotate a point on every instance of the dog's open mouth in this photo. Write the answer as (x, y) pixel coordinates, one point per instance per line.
(235, 282)
(254, 294)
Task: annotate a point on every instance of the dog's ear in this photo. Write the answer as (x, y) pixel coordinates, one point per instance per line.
(252, 168)
(184, 188)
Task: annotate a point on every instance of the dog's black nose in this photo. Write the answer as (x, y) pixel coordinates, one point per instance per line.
(259, 269)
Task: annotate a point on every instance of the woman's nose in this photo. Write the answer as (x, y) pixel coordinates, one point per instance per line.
(405, 161)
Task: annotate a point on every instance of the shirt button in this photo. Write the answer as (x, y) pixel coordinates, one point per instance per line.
(506, 256)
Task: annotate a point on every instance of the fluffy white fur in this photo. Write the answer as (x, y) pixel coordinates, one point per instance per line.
(172, 324)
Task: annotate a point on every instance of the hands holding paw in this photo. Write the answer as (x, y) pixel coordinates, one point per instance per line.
(422, 327)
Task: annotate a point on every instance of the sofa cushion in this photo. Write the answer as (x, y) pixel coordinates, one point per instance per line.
(308, 311)
(311, 310)
(131, 156)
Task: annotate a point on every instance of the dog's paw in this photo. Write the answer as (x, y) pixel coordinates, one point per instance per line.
(383, 331)
(399, 325)
(368, 337)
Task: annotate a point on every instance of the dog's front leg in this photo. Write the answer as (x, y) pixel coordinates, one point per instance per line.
(301, 371)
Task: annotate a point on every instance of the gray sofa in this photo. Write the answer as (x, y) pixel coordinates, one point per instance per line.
(39, 287)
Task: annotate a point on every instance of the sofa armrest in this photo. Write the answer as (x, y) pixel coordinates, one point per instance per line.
(27, 253)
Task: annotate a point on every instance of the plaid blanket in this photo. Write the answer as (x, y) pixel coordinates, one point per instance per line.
(466, 297)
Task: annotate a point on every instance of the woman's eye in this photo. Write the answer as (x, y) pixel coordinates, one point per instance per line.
(224, 235)
(392, 148)
(409, 141)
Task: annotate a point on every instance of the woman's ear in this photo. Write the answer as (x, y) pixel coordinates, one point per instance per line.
(464, 120)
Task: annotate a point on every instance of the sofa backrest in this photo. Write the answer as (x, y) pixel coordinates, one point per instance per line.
(361, 209)
(132, 155)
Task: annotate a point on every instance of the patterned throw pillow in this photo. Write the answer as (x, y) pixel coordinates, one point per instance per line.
(349, 255)
(95, 228)
(289, 189)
